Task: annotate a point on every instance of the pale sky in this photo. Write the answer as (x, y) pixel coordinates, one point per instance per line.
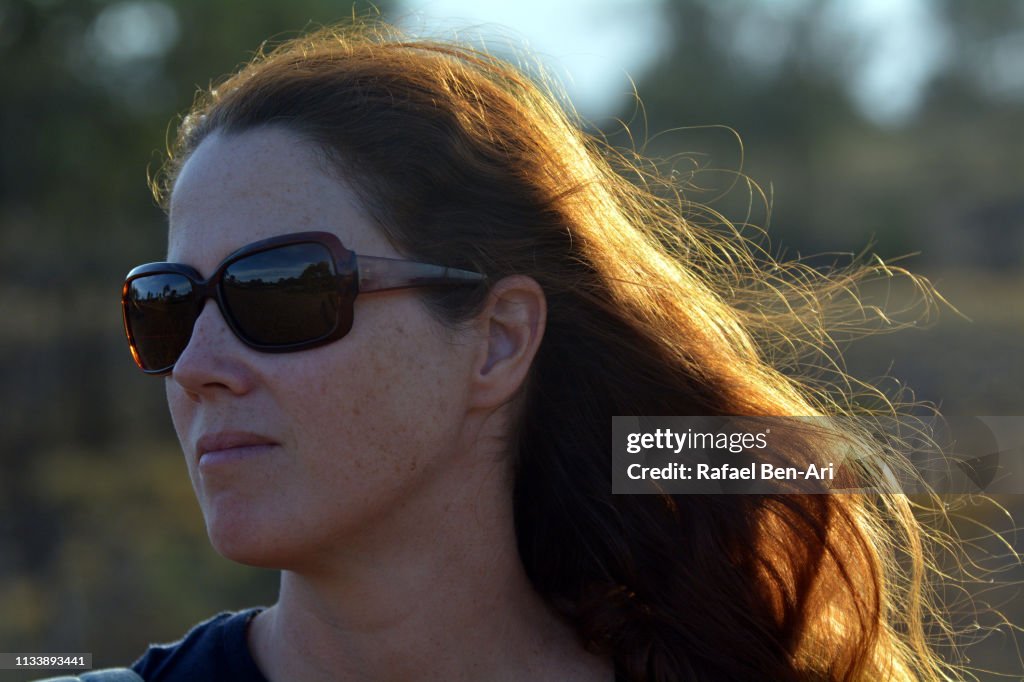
(593, 46)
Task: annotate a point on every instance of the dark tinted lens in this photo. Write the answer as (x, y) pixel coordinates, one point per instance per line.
(160, 311)
(284, 296)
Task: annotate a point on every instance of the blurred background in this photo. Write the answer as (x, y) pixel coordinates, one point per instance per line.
(891, 125)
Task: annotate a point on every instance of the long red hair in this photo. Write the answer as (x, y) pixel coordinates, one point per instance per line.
(463, 160)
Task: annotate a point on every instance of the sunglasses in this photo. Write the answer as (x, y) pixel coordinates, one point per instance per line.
(278, 295)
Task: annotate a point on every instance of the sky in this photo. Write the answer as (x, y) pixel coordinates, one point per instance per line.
(591, 47)
(594, 46)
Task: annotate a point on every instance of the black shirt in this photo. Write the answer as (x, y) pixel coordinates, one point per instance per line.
(213, 651)
(216, 650)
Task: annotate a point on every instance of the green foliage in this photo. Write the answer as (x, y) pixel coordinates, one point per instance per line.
(783, 82)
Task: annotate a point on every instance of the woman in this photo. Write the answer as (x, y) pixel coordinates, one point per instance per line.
(428, 464)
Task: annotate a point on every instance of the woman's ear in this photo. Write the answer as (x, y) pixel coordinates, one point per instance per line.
(512, 322)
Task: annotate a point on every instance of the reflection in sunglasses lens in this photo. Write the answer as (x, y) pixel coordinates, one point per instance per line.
(283, 296)
(160, 313)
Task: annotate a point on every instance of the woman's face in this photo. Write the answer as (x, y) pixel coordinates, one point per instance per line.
(316, 448)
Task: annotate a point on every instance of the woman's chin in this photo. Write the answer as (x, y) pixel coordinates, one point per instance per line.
(247, 543)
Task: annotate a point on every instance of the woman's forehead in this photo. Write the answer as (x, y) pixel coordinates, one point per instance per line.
(238, 188)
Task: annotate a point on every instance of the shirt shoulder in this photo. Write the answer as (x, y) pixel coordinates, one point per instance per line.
(215, 650)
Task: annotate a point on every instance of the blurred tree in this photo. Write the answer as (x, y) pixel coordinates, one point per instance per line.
(852, 153)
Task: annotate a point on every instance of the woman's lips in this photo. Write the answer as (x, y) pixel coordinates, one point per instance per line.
(224, 447)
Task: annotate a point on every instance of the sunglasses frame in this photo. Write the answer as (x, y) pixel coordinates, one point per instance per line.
(356, 274)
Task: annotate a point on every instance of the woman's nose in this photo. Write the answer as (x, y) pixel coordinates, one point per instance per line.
(214, 360)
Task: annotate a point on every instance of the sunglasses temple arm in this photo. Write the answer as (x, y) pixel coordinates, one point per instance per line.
(381, 274)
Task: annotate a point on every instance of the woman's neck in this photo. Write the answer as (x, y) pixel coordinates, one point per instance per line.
(446, 599)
